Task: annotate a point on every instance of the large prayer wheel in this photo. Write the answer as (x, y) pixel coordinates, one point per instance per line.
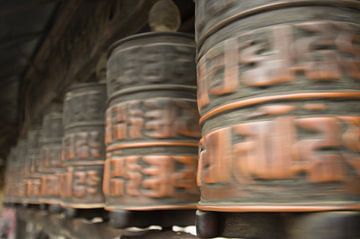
(51, 165)
(151, 124)
(83, 145)
(278, 94)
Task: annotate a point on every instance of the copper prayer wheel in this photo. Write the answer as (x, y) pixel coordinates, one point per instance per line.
(151, 124)
(51, 165)
(278, 95)
(20, 172)
(10, 187)
(83, 146)
(16, 190)
(33, 177)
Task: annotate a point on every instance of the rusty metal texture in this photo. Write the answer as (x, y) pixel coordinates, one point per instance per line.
(278, 94)
(151, 123)
(51, 164)
(33, 177)
(83, 146)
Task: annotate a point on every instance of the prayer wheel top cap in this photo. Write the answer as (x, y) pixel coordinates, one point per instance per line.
(157, 36)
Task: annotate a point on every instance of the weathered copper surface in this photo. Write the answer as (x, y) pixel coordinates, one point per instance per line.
(10, 189)
(32, 177)
(51, 165)
(83, 146)
(151, 123)
(15, 189)
(278, 94)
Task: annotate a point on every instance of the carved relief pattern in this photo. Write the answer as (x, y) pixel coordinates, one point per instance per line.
(83, 148)
(51, 164)
(156, 118)
(319, 55)
(150, 176)
(33, 187)
(282, 149)
(279, 109)
(151, 64)
(81, 184)
(152, 128)
(147, 178)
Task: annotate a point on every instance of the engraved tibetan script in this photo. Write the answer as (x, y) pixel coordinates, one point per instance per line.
(277, 55)
(154, 118)
(325, 149)
(155, 176)
(83, 145)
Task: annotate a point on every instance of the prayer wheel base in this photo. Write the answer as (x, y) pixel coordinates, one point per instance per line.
(88, 214)
(320, 225)
(55, 208)
(326, 225)
(164, 218)
(245, 225)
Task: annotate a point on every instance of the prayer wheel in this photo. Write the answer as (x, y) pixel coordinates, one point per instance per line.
(278, 95)
(83, 146)
(51, 165)
(33, 177)
(151, 124)
(20, 172)
(9, 176)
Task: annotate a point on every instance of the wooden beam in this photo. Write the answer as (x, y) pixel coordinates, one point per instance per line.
(81, 34)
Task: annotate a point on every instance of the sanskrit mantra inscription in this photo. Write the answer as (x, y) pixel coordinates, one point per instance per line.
(154, 176)
(50, 157)
(50, 185)
(85, 145)
(157, 118)
(162, 63)
(33, 187)
(281, 55)
(326, 149)
(82, 182)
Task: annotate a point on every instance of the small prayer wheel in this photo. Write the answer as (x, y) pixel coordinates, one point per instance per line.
(151, 124)
(51, 165)
(83, 146)
(33, 177)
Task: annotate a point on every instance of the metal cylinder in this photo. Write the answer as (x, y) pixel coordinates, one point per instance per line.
(33, 177)
(51, 165)
(10, 176)
(278, 94)
(83, 145)
(151, 123)
(21, 171)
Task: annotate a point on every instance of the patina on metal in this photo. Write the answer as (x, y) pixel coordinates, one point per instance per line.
(20, 171)
(51, 165)
(83, 146)
(278, 95)
(33, 177)
(151, 124)
(15, 181)
(10, 176)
